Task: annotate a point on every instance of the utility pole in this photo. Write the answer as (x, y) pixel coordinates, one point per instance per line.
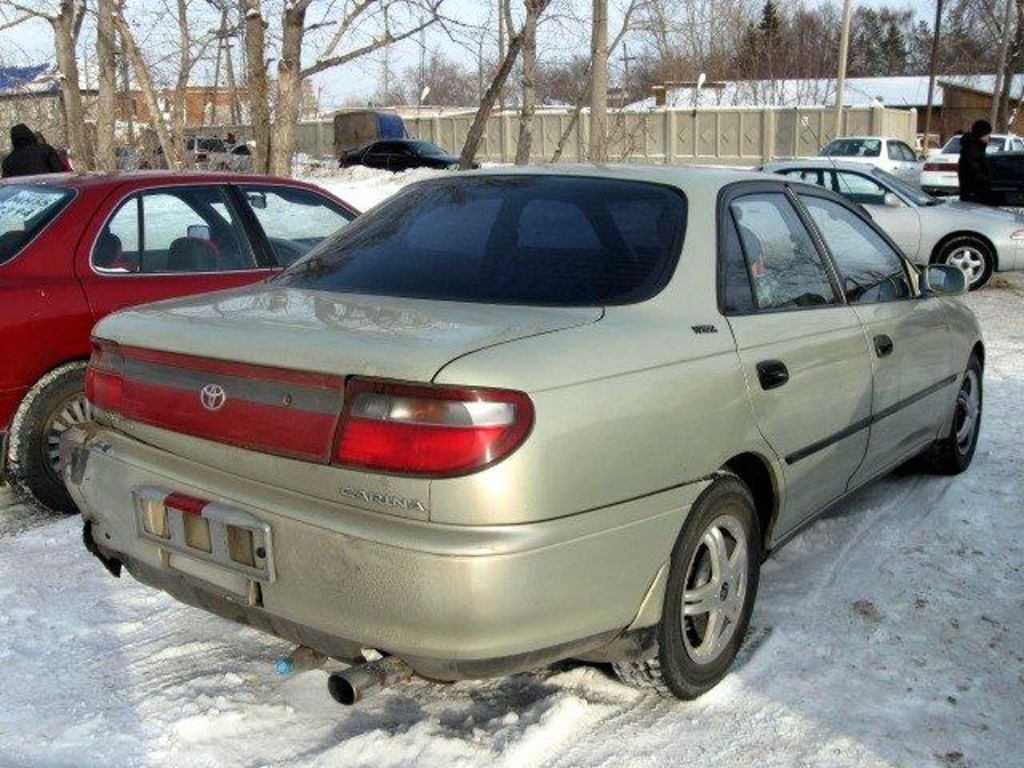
(844, 47)
(626, 58)
(997, 92)
(931, 73)
(501, 47)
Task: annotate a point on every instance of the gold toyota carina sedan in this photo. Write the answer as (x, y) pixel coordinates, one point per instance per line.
(521, 415)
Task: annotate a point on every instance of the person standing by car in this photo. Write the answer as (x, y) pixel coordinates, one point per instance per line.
(28, 156)
(972, 167)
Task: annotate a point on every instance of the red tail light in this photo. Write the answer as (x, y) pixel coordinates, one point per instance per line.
(940, 167)
(104, 378)
(433, 431)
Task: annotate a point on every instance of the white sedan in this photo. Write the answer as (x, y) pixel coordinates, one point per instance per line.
(885, 152)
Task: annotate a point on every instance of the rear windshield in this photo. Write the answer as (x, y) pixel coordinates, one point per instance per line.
(24, 210)
(853, 148)
(536, 240)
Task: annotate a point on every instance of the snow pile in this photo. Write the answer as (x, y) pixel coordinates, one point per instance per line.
(364, 187)
(890, 633)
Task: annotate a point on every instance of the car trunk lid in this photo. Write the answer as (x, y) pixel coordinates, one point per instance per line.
(264, 368)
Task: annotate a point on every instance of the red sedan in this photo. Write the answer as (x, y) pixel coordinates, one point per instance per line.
(74, 248)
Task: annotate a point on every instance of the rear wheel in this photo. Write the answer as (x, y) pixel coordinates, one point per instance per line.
(972, 255)
(709, 597)
(55, 403)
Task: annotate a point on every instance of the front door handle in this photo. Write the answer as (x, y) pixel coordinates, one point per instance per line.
(883, 345)
(772, 373)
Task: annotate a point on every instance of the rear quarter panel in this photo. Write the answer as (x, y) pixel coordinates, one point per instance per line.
(44, 316)
(632, 405)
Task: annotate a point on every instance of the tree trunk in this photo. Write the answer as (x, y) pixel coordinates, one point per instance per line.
(178, 101)
(533, 10)
(483, 112)
(599, 84)
(106, 103)
(256, 71)
(148, 90)
(289, 88)
(65, 25)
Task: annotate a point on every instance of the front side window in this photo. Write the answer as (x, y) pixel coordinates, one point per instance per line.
(532, 240)
(294, 220)
(785, 268)
(859, 189)
(869, 269)
(24, 211)
(173, 230)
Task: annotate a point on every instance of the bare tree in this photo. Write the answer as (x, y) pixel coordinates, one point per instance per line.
(65, 19)
(414, 15)
(145, 81)
(599, 84)
(256, 82)
(483, 112)
(534, 8)
(106, 103)
(628, 15)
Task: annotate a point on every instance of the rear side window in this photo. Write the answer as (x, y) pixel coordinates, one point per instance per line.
(24, 211)
(785, 267)
(534, 240)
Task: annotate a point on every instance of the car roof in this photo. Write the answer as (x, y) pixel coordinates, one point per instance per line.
(861, 138)
(100, 179)
(693, 180)
(816, 163)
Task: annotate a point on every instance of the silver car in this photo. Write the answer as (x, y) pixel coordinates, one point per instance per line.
(521, 415)
(979, 239)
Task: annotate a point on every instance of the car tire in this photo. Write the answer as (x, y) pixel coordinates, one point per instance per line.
(953, 454)
(690, 661)
(972, 255)
(56, 402)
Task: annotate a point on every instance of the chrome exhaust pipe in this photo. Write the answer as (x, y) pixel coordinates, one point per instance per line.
(363, 680)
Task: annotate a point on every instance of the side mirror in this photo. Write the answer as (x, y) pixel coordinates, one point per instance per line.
(198, 231)
(944, 280)
(892, 201)
(257, 200)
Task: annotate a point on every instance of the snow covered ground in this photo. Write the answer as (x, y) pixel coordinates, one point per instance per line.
(889, 633)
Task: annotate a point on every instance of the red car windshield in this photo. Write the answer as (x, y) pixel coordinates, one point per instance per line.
(24, 210)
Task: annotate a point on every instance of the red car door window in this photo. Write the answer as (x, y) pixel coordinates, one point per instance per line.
(293, 220)
(174, 230)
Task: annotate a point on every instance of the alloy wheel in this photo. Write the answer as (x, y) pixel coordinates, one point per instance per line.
(970, 261)
(715, 589)
(75, 410)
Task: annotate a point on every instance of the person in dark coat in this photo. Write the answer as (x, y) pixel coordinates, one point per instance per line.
(972, 167)
(28, 157)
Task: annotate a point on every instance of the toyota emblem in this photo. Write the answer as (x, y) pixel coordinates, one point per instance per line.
(213, 397)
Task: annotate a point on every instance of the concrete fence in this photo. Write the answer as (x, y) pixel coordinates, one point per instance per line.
(716, 135)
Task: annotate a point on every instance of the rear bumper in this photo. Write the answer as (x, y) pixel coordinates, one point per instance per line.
(454, 601)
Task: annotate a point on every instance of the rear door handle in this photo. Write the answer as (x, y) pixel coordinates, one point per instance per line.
(883, 345)
(772, 373)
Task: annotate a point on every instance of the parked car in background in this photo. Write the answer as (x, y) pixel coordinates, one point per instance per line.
(977, 238)
(401, 155)
(74, 248)
(517, 416)
(939, 175)
(889, 154)
(355, 128)
(203, 151)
